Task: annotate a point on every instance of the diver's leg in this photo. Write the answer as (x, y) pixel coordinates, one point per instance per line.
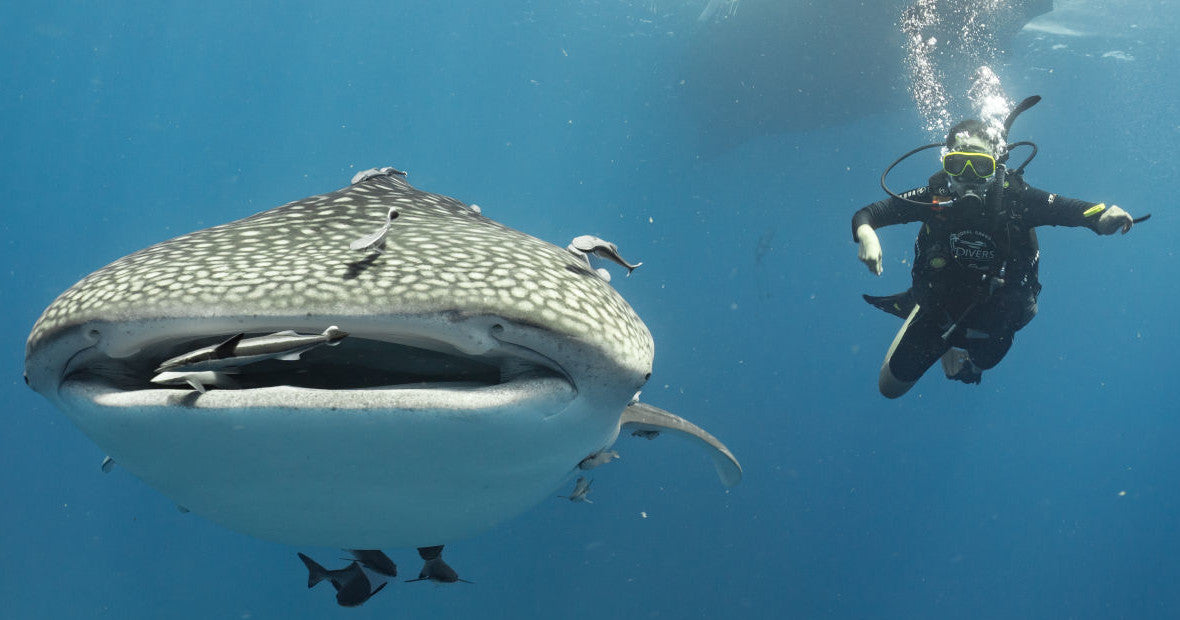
(986, 353)
(915, 348)
(986, 342)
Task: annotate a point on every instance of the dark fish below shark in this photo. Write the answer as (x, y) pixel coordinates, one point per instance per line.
(356, 583)
(481, 366)
(435, 568)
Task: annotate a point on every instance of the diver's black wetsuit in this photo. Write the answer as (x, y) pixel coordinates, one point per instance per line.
(960, 258)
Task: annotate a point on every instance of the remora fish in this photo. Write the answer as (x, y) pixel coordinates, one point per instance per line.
(209, 365)
(197, 380)
(581, 490)
(239, 350)
(482, 366)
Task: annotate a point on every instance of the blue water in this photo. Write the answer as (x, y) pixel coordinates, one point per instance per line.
(1049, 491)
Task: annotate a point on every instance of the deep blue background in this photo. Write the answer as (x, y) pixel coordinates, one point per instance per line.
(1051, 490)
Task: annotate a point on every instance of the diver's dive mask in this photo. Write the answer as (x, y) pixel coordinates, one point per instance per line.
(969, 173)
(969, 165)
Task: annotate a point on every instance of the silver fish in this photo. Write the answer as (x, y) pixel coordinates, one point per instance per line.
(598, 458)
(238, 350)
(199, 380)
(585, 246)
(581, 490)
(471, 379)
(375, 241)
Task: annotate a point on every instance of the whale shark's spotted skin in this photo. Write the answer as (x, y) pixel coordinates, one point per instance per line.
(440, 257)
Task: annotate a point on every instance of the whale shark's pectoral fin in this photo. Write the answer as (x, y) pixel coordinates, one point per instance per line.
(644, 417)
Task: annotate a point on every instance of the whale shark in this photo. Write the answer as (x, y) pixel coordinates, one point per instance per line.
(482, 365)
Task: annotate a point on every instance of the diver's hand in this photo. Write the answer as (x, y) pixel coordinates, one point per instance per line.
(1114, 219)
(870, 248)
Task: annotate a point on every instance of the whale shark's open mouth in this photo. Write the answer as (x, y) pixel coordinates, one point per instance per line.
(354, 363)
(410, 368)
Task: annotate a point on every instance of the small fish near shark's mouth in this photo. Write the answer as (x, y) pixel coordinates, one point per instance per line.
(466, 368)
(356, 361)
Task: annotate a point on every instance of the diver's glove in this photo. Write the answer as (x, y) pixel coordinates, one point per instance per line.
(870, 248)
(1113, 219)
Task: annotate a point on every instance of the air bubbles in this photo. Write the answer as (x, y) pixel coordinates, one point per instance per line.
(944, 39)
(987, 96)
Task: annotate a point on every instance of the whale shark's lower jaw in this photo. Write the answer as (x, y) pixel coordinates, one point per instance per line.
(326, 477)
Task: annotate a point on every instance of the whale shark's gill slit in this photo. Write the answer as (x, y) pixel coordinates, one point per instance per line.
(354, 363)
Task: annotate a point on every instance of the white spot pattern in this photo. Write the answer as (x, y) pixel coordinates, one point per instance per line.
(440, 257)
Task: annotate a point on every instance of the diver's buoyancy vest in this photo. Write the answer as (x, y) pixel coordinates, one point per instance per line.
(959, 248)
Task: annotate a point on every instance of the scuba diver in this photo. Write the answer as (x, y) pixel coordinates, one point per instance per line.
(975, 260)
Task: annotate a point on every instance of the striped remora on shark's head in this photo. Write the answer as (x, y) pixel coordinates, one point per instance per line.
(481, 367)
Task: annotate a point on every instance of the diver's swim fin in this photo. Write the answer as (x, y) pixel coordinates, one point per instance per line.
(899, 305)
(957, 365)
(891, 386)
